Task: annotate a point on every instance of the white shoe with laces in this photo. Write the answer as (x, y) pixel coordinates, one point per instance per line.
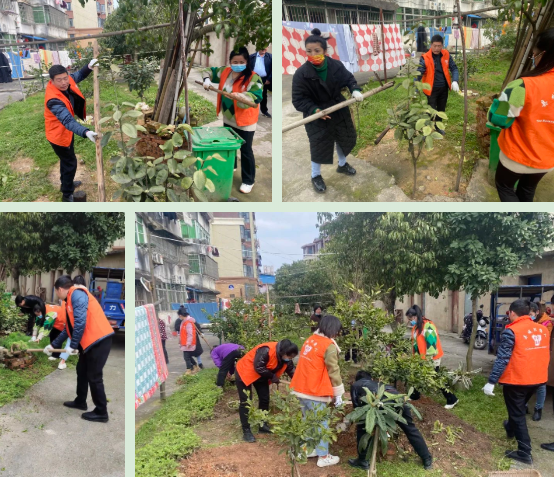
(51, 358)
(62, 366)
(328, 460)
(450, 406)
(246, 188)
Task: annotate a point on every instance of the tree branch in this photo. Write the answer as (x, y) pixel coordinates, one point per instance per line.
(203, 31)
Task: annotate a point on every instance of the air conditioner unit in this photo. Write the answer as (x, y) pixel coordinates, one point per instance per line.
(157, 258)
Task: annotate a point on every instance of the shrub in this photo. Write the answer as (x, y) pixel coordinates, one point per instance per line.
(10, 318)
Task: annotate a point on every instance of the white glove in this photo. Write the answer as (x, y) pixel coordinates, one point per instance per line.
(48, 350)
(488, 389)
(40, 336)
(92, 136)
(207, 84)
(455, 86)
(357, 96)
(338, 401)
(93, 63)
(72, 352)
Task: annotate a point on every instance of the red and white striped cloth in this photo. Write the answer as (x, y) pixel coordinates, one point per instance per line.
(294, 52)
(369, 47)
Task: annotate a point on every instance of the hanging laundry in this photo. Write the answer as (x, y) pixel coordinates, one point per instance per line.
(55, 58)
(215, 252)
(36, 58)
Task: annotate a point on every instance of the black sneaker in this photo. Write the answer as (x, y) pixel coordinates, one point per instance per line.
(265, 429)
(359, 463)
(428, 463)
(75, 185)
(248, 436)
(319, 184)
(537, 415)
(346, 169)
(509, 433)
(201, 366)
(519, 456)
(548, 447)
(440, 131)
(74, 405)
(267, 115)
(67, 198)
(94, 417)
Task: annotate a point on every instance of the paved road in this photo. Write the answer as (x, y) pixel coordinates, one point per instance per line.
(39, 436)
(176, 369)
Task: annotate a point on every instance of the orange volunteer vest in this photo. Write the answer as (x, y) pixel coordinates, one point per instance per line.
(97, 324)
(422, 344)
(245, 365)
(429, 75)
(244, 117)
(183, 333)
(310, 376)
(56, 132)
(61, 317)
(530, 139)
(531, 355)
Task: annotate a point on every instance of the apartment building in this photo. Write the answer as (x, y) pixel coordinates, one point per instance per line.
(90, 19)
(311, 251)
(239, 260)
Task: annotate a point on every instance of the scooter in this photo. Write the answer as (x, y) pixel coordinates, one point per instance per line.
(481, 338)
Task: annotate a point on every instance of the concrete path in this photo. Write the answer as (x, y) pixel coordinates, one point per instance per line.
(176, 369)
(262, 148)
(41, 437)
(541, 432)
(368, 185)
(9, 93)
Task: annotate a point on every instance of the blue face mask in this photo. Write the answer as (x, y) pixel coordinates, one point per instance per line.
(413, 322)
(286, 360)
(238, 68)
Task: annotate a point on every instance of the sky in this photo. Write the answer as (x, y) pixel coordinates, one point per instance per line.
(284, 233)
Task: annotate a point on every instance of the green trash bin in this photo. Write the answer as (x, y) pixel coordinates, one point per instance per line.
(207, 141)
(494, 151)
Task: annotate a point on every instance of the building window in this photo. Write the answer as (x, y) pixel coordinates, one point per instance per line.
(100, 23)
(71, 22)
(245, 234)
(71, 36)
(188, 231)
(194, 263)
(248, 271)
(68, 6)
(140, 235)
(26, 13)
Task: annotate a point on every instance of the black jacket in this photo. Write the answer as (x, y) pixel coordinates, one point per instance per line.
(267, 65)
(262, 358)
(5, 69)
(357, 390)
(30, 302)
(310, 92)
(503, 355)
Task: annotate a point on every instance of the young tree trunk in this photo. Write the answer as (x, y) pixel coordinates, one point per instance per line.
(469, 361)
(15, 275)
(372, 470)
(390, 301)
(414, 162)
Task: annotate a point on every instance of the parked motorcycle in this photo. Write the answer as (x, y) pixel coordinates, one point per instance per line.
(482, 336)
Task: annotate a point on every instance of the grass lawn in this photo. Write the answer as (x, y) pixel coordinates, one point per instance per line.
(26, 157)
(488, 79)
(16, 382)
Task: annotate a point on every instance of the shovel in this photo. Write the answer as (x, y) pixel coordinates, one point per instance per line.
(224, 93)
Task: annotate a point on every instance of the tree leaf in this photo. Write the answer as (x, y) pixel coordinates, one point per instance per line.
(177, 140)
(199, 178)
(157, 189)
(115, 68)
(420, 123)
(199, 195)
(210, 185)
(186, 127)
(440, 125)
(211, 169)
(427, 130)
(218, 157)
(436, 135)
(442, 115)
(429, 142)
(181, 154)
(117, 116)
(103, 120)
(186, 182)
(172, 166)
(126, 103)
(121, 178)
(172, 196)
(133, 113)
(105, 138)
(134, 190)
(140, 128)
(161, 177)
(129, 129)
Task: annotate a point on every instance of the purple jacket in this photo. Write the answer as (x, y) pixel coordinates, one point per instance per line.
(219, 352)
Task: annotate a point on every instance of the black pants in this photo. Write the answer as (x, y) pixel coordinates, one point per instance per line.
(89, 373)
(515, 398)
(262, 390)
(54, 333)
(31, 323)
(412, 433)
(68, 166)
(165, 352)
(228, 366)
(263, 104)
(450, 398)
(438, 98)
(506, 180)
(189, 359)
(247, 161)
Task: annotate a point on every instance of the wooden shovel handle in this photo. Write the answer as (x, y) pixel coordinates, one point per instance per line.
(224, 93)
(42, 349)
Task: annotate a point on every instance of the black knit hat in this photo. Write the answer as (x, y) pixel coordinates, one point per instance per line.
(56, 70)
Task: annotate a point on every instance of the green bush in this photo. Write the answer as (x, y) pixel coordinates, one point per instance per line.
(140, 75)
(168, 436)
(10, 319)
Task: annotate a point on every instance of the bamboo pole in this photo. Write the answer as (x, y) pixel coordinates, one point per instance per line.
(481, 10)
(381, 18)
(228, 95)
(184, 34)
(193, 56)
(89, 37)
(336, 107)
(99, 161)
(464, 133)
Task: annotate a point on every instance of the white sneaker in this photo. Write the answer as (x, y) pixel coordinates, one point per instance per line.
(51, 358)
(62, 366)
(245, 188)
(312, 454)
(450, 406)
(328, 460)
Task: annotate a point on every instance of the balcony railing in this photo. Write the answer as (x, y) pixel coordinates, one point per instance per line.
(7, 6)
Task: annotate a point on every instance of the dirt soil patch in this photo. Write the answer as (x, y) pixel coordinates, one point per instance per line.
(224, 454)
(22, 165)
(436, 170)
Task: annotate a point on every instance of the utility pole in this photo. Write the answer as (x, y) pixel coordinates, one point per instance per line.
(253, 245)
(268, 310)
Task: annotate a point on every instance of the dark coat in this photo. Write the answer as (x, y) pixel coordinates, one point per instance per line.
(5, 69)
(315, 319)
(309, 92)
(261, 359)
(267, 64)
